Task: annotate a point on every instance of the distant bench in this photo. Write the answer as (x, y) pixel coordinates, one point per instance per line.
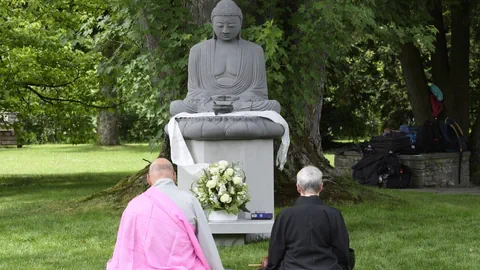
(428, 170)
(8, 138)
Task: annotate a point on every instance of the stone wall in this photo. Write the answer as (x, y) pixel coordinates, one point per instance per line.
(345, 161)
(428, 170)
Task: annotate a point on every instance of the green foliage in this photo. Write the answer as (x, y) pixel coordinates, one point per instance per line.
(404, 21)
(325, 33)
(58, 55)
(270, 37)
(151, 60)
(49, 65)
(368, 94)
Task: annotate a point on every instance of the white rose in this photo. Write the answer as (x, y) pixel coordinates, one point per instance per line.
(225, 198)
(232, 190)
(237, 180)
(223, 163)
(214, 171)
(215, 178)
(211, 183)
(229, 172)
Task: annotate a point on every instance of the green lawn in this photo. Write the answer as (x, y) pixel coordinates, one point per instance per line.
(42, 226)
(331, 158)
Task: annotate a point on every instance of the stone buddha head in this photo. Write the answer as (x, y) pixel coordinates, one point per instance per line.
(227, 20)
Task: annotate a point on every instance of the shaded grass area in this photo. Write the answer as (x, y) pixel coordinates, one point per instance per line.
(43, 225)
(65, 159)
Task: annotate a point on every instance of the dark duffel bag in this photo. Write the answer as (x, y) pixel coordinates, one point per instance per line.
(394, 142)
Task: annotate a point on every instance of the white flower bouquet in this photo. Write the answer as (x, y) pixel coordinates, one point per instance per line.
(222, 186)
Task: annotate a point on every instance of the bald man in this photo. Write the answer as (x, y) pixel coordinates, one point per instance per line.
(164, 228)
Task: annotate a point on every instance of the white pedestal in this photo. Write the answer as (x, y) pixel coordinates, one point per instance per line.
(256, 157)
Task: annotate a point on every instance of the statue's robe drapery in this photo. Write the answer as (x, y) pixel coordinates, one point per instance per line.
(250, 83)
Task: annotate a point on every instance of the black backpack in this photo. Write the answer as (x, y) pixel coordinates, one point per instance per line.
(452, 136)
(393, 174)
(400, 180)
(365, 170)
(429, 139)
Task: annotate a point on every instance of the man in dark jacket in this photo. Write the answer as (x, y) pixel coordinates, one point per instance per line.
(309, 235)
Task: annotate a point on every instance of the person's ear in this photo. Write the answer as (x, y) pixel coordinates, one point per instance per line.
(299, 189)
(148, 180)
(321, 187)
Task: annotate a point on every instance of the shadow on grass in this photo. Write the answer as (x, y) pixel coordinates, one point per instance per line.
(85, 148)
(54, 235)
(74, 183)
(126, 148)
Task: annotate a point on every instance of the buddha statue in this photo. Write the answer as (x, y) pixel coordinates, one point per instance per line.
(226, 68)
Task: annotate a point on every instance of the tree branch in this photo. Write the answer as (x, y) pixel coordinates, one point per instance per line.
(49, 85)
(50, 99)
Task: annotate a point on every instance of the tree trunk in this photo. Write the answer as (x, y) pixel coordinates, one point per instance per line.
(313, 117)
(417, 87)
(107, 120)
(107, 127)
(458, 94)
(307, 150)
(475, 152)
(439, 61)
(302, 153)
(201, 10)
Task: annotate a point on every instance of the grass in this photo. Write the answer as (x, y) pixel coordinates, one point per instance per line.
(42, 225)
(67, 159)
(330, 158)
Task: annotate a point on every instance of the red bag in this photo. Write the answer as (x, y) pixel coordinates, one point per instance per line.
(437, 106)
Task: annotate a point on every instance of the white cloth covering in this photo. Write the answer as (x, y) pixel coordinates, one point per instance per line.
(179, 150)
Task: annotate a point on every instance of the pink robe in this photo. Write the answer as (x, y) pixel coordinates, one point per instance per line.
(155, 234)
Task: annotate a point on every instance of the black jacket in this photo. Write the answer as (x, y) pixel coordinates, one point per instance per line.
(309, 235)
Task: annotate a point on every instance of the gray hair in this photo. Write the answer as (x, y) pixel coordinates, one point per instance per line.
(310, 179)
